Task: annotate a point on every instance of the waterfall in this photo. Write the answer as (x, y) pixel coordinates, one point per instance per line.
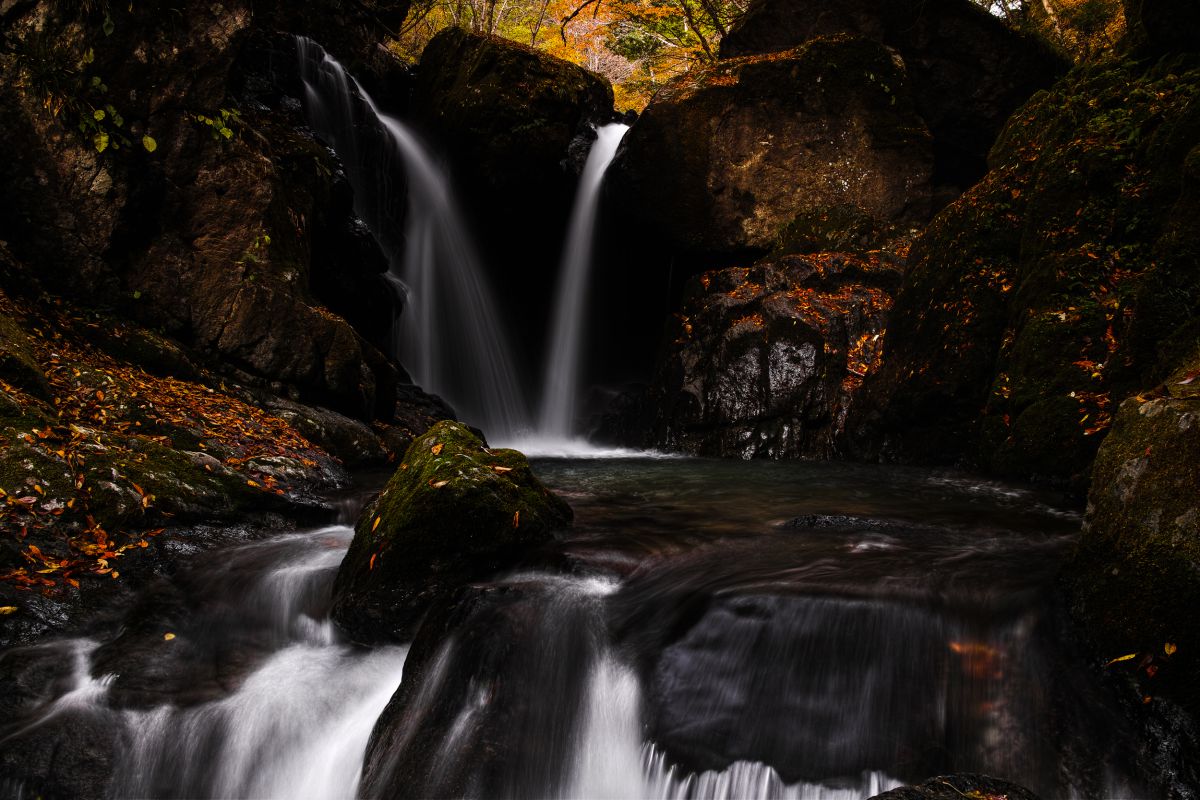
(560, 385)
(449, 336)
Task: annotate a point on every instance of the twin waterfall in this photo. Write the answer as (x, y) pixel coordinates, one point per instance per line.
(449, 335)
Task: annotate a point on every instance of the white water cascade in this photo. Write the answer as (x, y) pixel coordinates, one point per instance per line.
(560, 385)
(450, 337)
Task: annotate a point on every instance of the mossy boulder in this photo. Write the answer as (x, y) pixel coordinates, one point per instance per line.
(727, 155)
(967, 69)
(1134, 580)
(455, 511)
(17, 364)
(1062, 283)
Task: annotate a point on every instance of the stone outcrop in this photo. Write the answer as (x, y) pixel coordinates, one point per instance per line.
(1064, 282)
(764, 362)
(968, 71)
(953, 787)
(174, 203)
(454, 511)
(727, 155)
(1132, 579)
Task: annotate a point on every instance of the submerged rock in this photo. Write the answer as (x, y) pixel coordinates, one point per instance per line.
(455, 511)
(765, 361)
(726, 156)
(955, 787)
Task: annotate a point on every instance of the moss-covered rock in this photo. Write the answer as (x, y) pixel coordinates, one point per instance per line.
(726, 156)
(17, 364)
(1062, 283)
(1134, 579)
(453, 512)
(968, 70)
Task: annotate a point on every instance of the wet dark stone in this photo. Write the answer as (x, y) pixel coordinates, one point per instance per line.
(956, 787)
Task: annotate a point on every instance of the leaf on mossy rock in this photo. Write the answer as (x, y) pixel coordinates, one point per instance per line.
(149, 143)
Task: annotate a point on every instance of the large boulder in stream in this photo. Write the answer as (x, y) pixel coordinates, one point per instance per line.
(729, 154)
(1133, 579)
(957, 786)
(455, 511)
(764, 362)
(1062, 283)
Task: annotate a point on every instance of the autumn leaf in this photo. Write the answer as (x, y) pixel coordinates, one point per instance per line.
(1169, 648)
(371, 564)
(437, 449)
(168, 637)
(6, 610)
(501, 469)
(375, 524)
(438, 484)
(517, 518)
(1118, 659)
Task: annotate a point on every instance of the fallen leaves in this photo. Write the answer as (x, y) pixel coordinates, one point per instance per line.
(6, 610)
(437, 449)
(168, 637)
(1119, 659)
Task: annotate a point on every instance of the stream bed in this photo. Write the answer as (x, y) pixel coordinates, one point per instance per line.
(708, 629)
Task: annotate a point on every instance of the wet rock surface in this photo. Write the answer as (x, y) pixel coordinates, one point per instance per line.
(967, 71)
(726, 156)
(1133, 576)
(764, 362)
(953, 787)
(454, 511)
(210, 229)
(1038, 301)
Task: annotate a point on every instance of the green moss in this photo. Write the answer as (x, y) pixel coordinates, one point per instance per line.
(1133, 576)
(838, 229)
(17, 364)
(454, 510)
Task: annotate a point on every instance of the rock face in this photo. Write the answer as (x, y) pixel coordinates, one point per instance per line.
(1163, 25)
(765, 361)
(726, 156)
(1061, 284)
(953, 787)
(1133, 578)
(506, 116)
(968, 72)
(454, 511)
(208, 229)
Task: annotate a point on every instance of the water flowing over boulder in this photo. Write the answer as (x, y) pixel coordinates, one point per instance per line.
(505, 116)
(1133, 578)
(765, 361)
(455, 511)
(967, 70)
(1064, 282)
(727, 155)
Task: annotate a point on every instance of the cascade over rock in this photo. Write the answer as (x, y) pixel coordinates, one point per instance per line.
(765, 361)
(505, 116)
(968, 71)
(455, 511)
(726, 156)
(1062, 283)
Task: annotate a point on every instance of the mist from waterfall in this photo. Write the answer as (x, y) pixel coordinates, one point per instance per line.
(449, 335)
